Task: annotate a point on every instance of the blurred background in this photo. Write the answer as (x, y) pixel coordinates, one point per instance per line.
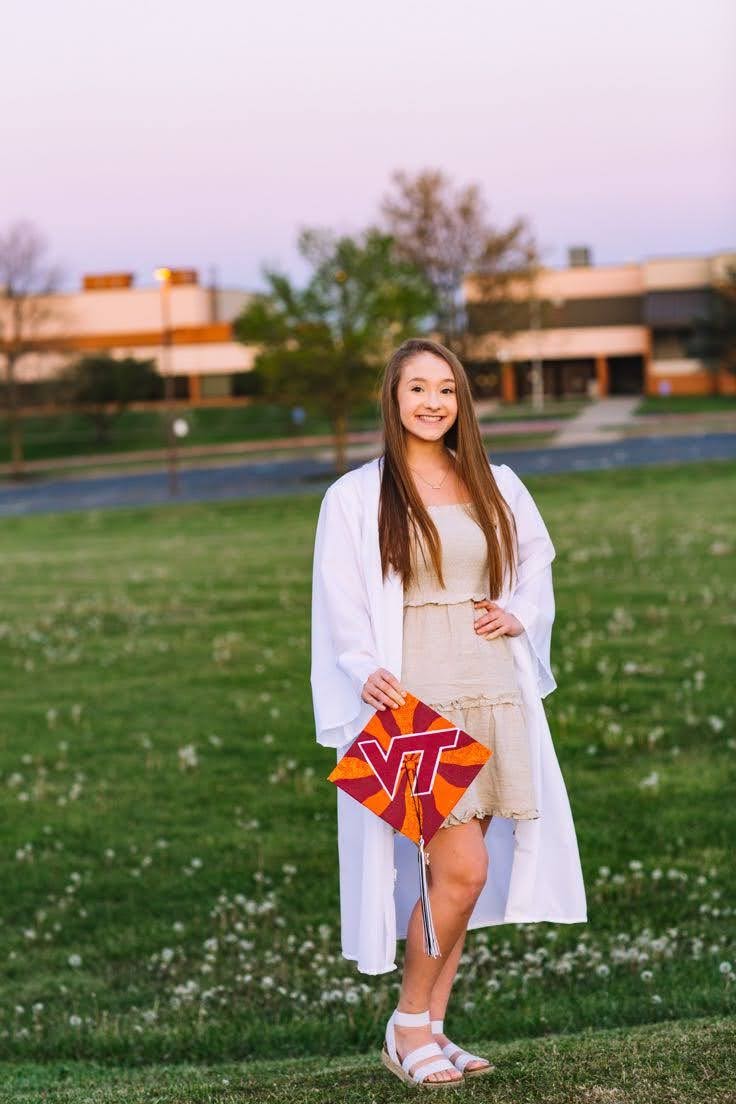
(216, 222)
(547, 189)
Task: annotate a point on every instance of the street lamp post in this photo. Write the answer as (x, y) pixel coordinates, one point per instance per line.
(163, 275)
(535, 325)
(537, 370)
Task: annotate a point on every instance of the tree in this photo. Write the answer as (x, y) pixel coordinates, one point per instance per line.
(322, 346)
(26, 283)
(446, 234)
(104, 386)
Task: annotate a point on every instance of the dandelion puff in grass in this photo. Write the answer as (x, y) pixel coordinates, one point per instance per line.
(188, 758)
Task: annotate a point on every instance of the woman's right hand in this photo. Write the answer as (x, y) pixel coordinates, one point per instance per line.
(382, 689)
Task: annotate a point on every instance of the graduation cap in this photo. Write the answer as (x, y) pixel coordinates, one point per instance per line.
(410, 766)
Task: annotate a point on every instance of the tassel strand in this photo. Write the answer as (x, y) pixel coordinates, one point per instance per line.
(431, 944)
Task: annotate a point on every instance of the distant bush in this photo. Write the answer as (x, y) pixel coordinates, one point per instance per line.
(103, 386)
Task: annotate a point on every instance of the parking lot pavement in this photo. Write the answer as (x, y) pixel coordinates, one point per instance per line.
(294, 475)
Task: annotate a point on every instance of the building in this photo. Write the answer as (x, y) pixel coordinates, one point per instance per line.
(185, 327)
(608, 330)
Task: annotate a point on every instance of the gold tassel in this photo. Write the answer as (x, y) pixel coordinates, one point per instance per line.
(431, 944)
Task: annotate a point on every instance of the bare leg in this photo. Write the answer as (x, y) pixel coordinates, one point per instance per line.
(446, 978)
(458, 871)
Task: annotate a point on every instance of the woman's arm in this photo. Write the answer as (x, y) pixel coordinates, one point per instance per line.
(532, 599)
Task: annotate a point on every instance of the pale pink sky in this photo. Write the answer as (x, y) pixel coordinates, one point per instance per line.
(197, 134)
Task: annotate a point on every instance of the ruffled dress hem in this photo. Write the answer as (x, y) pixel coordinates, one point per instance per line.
(470, 814)
(470, 701)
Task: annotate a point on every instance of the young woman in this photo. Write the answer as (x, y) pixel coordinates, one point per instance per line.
(432, 574)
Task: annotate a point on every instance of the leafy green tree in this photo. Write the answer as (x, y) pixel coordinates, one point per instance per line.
(103, 386)
(322, 346)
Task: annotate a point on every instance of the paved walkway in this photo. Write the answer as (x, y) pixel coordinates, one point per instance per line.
(599, 421)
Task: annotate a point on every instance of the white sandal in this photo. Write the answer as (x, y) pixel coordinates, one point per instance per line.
(390, 1057)
(461, 1058)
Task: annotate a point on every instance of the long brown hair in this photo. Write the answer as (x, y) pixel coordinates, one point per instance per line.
(399, 497)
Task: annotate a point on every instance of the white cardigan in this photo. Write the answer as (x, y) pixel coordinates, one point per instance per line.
(357, 625)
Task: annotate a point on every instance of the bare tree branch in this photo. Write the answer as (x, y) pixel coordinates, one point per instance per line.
(27, 283)
(447, 234)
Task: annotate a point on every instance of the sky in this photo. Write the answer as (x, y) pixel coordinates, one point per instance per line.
(207, 134)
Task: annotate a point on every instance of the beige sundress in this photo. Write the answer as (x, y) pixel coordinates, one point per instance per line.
(468, 679)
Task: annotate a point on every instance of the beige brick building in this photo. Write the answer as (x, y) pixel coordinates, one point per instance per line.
(191, 338)
(613, 329)
(609, 329)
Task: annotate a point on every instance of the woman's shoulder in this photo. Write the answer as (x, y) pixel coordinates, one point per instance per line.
(514, 491)
(354, 482)
(507, 480)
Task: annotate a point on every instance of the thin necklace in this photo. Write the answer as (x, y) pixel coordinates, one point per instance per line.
(434, 486)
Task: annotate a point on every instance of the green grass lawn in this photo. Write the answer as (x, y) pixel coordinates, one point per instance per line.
(677, 1061)
(65, 435)
(686, 404)
(47, 437)
(169, 865)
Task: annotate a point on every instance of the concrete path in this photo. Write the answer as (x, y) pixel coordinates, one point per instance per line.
(599, 421)
(309, 474)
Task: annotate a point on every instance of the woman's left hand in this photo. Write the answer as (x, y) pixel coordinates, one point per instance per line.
(495, 621)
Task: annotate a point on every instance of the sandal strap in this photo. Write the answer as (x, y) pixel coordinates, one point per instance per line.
(466, 1058)
(436, 1026)
(429, 1050)
(410, 1019)
(463, 1057)
(433, 1067)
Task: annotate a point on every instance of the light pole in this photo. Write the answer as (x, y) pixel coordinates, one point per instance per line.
(507, 387)
(163, 275)
(535, 322)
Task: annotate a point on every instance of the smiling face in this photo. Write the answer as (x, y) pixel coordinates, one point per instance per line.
(427, 396)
